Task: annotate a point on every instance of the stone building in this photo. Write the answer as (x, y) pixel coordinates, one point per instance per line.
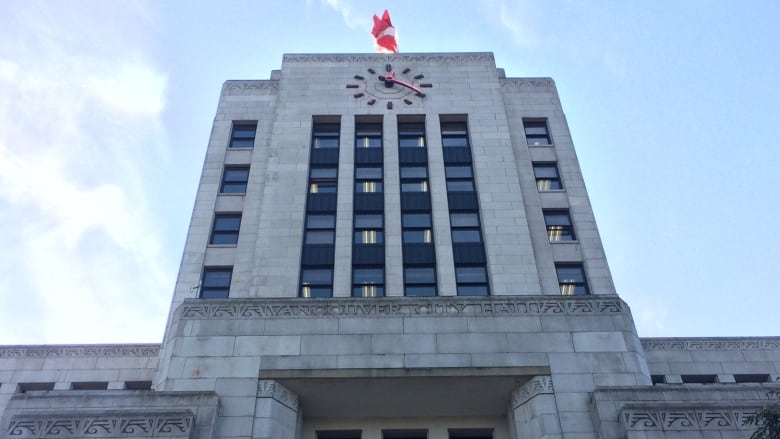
(392, 246)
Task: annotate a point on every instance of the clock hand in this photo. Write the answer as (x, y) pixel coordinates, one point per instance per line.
(406, 84)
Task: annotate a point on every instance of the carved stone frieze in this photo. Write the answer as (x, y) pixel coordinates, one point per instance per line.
(195, 309)
(272, 389)
(535, 386)
(710, 344)
(250, 87)
(175, 424)
(525, 83)
(113, 350)
(691, 419)
(368, 58)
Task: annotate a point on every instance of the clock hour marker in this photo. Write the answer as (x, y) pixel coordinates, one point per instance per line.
(358, 95)
(426, 85)
(419, 77)
(420, 94)
(352, 86)
(359, 77)
(388, 68)
(372, 102)
(407, 102)
(372, 71)
(406, 70)
(389, 104)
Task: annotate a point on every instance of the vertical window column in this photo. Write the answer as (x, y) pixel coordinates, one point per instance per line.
(467, 244)
(419, 254)
(318, 253)
(368, 248)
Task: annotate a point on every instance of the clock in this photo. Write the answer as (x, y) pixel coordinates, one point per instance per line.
(389, 86)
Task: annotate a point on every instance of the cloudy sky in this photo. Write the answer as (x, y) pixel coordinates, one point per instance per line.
(106, 107)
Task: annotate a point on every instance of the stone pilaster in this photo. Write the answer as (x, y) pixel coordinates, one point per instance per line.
(533, 410)
(276, 412)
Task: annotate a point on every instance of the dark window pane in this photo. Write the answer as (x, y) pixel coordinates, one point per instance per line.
(418, 236)
(368, 173)
(242, 143)
(323, 188)
(470, 275)
(234, 180)
(571, 279)
(453, 128)
(320, 221)
(472, 290)
(414, 172)
(368, 276)
(457, 171)
(243, 135)
(418, 186)
(416, 220)
(326, 142)
(319, 237)
(217, 277)
(368, 221)
(454, 142)
(538, 130)
(368, 142)
(368, 129)
(460, 186)
(369, 237)
(368, 291)
(412, 142)
(420, 291)
(545, 171)
(312, 291)
(227, 222)
(323, 173)
(421, 275)
(464, 220)
(463, 236)
(317, 276)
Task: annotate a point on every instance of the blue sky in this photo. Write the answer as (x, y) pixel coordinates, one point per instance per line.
(106, 109)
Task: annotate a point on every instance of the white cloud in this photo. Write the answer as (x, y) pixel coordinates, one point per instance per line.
(79, 121)
(516, 20)
(346, 9)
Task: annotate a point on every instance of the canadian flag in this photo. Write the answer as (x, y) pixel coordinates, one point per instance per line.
(384, 34)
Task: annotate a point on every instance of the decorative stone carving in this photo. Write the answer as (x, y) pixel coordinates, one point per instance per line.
(535, 386)
(178, 424)
(709, 344)
(129, 350)
(687, 418)
(523, 83)
(250, 87)
(196, 309)
(384, 59)
(272, 389)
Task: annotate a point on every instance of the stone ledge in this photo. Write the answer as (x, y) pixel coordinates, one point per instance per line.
(105, 350)
(198, 309)
(168, 424)
(709, 343)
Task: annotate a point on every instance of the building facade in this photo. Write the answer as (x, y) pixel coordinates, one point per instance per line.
(392, 246)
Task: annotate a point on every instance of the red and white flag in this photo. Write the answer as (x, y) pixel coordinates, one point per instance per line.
(385, 40)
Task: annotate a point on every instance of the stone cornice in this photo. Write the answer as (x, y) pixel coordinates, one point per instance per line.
(384, 58)
(168, 424)
(106, 350)
(535, 386)
(709, 343)
(688, 418)
(272, 389)
(197, 309)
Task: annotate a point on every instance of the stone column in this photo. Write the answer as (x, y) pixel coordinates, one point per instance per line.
(276, 412)
(533, 410)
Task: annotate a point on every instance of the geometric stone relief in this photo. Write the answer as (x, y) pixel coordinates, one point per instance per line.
(521, 83)
(272, 389)
(303, 308)
(680, 419)
(709, 344)
(251, 87)
(134, 350)
(535, 386)
(176, 424)
(471, 57)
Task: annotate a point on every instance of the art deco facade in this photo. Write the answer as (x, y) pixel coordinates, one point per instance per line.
(392, 246)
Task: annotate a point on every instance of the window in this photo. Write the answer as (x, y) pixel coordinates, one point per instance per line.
(138, 385)
(419, 281)
(368, 135)
(368, 229)
(460, 186)
(559, 226)
(571, 279)
(34, 387)
(368, 282)
(225, 229)
(89, 385)
(234, 180)
(536, 133)
(471, 280)
(547, 178)
(454, 135)
(411, 135)
(416, 172)
(323, 180)
(243, 135)
(325, 135)
(317, 282)
(215, 283)
(465, 228)
(368, 180)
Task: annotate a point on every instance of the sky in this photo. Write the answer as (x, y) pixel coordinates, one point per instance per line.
(106, 111)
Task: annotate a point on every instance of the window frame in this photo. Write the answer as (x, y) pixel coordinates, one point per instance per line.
(225, 232)
(236, 137)
(241, 184)
(217, 287)
(537, 123)
(572, 287)
(559, 233)
(550, 181)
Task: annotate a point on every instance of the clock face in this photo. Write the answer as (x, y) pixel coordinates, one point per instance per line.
(388, 85)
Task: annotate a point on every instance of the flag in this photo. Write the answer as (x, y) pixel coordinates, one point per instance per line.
(384, 34)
